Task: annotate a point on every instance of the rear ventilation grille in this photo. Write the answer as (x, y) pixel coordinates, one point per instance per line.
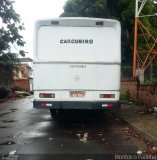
(54, 22)
(99, 23)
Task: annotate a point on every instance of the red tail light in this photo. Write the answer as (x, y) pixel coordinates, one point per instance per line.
(107, 95)
(46, 104)
(47, 95)
(107, 105)
(43, 104)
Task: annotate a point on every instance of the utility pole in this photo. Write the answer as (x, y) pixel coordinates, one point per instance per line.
(138, 8)
(142, 59)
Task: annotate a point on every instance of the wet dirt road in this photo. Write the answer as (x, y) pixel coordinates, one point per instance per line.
(30, 131)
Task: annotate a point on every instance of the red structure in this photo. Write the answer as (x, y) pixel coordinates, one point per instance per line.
(143, 58)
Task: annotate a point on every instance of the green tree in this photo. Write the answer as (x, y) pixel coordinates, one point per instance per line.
(10, 25)
(122, 10)
(86, 8)
(128, 16)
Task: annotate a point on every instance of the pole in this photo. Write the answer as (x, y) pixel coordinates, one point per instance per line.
(135, 40)
(135, 48)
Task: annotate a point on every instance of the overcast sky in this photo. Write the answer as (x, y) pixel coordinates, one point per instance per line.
(30, 11)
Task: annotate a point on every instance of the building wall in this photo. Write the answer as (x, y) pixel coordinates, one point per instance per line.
(21, 71)
(145, 93)
(22, 84)
(21, 77)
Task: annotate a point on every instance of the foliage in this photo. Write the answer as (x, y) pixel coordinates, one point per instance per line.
(6, 75)
(85, 8)
(4, 92)
(138, 102)
(8, 60)
(122, 10)
(125, 96)
(9, 30)
(16, 88)
(148, 82)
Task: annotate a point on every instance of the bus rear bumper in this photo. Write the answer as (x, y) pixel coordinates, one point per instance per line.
(76, 105)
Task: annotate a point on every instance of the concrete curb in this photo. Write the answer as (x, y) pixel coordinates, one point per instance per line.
(2, 100)
(147, 136)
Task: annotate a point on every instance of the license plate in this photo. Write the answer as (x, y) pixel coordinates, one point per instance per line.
(77, 94)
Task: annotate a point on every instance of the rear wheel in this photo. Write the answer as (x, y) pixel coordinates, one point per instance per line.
(56, 113)
(53, 112)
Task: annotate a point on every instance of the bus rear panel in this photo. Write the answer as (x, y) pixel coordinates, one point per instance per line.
(77, 63)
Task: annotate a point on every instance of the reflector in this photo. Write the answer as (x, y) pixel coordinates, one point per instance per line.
(99, 23)
(43, 104)
(107, 95)
(109, 105)
(47, 95)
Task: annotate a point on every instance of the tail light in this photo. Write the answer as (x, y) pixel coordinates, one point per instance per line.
(46, 104)
(43, 104)
(107, 105)
(107, 95)
(47, 95)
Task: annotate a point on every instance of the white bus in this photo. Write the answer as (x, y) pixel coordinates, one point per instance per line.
(77, 64)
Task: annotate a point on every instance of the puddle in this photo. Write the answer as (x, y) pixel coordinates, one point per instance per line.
(8, 121)
(4, 113)
(30, 134)
(18, 135)
(1, 127)
(35, 134)
(83, 138)
(13, 109)
(43, 124)
(8, 143)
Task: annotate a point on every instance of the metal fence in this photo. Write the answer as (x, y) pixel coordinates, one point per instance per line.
(126, 72)
(150, 74)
